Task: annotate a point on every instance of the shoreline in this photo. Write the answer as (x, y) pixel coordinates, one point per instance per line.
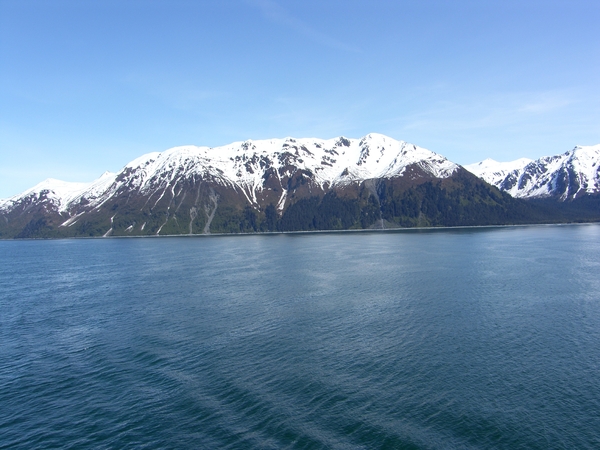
(303, 232)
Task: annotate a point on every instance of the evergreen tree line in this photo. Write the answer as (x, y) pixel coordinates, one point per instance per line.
(460, 201)
(428, 204)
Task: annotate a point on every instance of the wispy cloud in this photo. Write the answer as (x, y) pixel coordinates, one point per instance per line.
(191, 98)
(501, 125)
(494, 110)
(546, 102)
(276, 13)
(177, 96)
(301, 117)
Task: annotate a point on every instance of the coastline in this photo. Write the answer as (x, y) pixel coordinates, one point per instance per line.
(275, 233)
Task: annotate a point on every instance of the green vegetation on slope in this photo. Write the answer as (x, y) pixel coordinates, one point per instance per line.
(461, 200)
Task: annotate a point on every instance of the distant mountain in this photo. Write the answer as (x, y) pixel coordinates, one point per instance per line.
(269, 185)
(56, 195)
(495, 172)
(571, 175)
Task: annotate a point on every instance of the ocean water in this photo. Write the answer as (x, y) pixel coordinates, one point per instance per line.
(465, 338)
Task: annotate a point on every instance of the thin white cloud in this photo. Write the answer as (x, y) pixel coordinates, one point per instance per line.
(546, 102)
(489, 112)
(171, 94)
(503, 125)
(276, 13)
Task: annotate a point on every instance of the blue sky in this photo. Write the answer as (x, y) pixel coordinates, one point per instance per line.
(87, 86)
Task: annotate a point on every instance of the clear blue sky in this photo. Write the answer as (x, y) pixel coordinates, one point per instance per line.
(86, 86)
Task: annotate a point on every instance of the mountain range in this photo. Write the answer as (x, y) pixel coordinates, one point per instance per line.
(304, 184)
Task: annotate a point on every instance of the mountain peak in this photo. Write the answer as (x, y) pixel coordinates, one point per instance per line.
(566, 176)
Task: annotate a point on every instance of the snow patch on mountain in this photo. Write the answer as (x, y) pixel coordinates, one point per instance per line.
(332, 162)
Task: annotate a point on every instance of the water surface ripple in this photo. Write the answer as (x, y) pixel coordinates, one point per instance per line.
(473, 338)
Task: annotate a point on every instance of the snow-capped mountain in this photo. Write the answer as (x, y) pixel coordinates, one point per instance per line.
(495, 172)
(250, 167)
(277, 185)
(57, 195)
(567, 176)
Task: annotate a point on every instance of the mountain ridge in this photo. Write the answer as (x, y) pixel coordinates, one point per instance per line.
(341, 161)
(568, 176)
(270, 185)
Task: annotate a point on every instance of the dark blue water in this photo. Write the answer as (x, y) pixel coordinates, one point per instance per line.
(481, 338)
